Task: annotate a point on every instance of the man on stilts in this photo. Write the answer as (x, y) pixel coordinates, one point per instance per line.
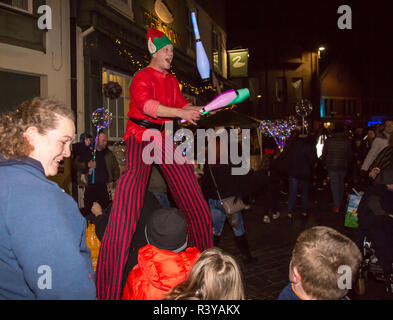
(155, 98)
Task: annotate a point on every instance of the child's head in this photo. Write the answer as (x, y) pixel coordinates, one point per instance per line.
(316, 258)
(214, 276)
(166, 229)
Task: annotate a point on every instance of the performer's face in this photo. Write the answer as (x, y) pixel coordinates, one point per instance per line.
(164, 57)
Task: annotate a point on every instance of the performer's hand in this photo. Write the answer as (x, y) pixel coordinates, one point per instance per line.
(200, 109)
(190, 114)
(195, 108)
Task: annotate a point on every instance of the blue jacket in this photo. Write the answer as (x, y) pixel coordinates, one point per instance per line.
(43, 252)
(289, 293)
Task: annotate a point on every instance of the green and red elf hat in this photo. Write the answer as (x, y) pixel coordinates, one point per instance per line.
(156, 39)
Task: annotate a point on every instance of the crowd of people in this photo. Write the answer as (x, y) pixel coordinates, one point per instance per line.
(156, 244)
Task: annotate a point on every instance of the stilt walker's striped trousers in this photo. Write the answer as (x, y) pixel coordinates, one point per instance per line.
(127, 206)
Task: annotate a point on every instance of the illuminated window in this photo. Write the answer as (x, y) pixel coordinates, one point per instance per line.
(118, 107)
(217, 51)
(22, 5)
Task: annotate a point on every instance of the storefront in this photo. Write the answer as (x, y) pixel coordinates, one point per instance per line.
(115, 51)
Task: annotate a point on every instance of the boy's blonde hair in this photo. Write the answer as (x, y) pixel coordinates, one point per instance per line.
(317, 255)
(214, 276)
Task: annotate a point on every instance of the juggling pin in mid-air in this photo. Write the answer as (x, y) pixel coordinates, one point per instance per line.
(203, 64)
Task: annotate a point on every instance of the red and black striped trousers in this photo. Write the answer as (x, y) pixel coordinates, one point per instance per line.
(127, 206)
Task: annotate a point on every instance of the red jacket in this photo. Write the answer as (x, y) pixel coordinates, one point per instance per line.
(157, 272)
(149, 86)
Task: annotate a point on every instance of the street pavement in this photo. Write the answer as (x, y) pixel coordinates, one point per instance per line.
(272, 245)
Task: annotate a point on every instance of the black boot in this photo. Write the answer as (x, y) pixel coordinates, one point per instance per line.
(242, 244)
(216, 240)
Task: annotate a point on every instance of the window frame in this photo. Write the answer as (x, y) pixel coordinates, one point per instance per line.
(29, 7)
(124, 95)
(120, 6)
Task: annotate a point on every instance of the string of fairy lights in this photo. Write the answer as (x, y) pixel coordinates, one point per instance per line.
(139, 65)
(281, 130)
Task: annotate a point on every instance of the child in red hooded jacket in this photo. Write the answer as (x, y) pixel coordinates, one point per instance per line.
(165, 261)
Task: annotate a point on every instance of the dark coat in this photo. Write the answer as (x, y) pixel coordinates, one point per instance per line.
(376, 201)
(112, 166)
(231, 185)
(301, 156)
(337, 153)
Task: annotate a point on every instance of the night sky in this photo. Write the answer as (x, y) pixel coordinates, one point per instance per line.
(269, 28)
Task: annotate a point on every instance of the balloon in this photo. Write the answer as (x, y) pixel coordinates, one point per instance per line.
(279, 130)
(101, 118)
(292, 120)
(303, 108)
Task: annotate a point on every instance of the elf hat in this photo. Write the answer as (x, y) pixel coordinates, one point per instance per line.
(156, 40)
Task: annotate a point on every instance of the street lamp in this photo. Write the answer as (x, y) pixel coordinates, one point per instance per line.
(320, 49)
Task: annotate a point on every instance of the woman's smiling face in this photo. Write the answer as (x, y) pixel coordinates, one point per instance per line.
(50, 148)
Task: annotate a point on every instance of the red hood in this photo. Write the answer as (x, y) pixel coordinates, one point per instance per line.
(157, 272)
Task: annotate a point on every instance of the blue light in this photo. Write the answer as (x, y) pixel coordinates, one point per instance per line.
(377, 119)
(322, 108)
(373, 123)
(195, 25)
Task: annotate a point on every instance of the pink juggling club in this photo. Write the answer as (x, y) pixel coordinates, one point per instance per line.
(218, 102)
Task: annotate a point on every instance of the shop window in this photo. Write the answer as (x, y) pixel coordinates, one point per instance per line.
(118, 107)
(10, 89)
(22, 5)
(123, 6)
(280, 92)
